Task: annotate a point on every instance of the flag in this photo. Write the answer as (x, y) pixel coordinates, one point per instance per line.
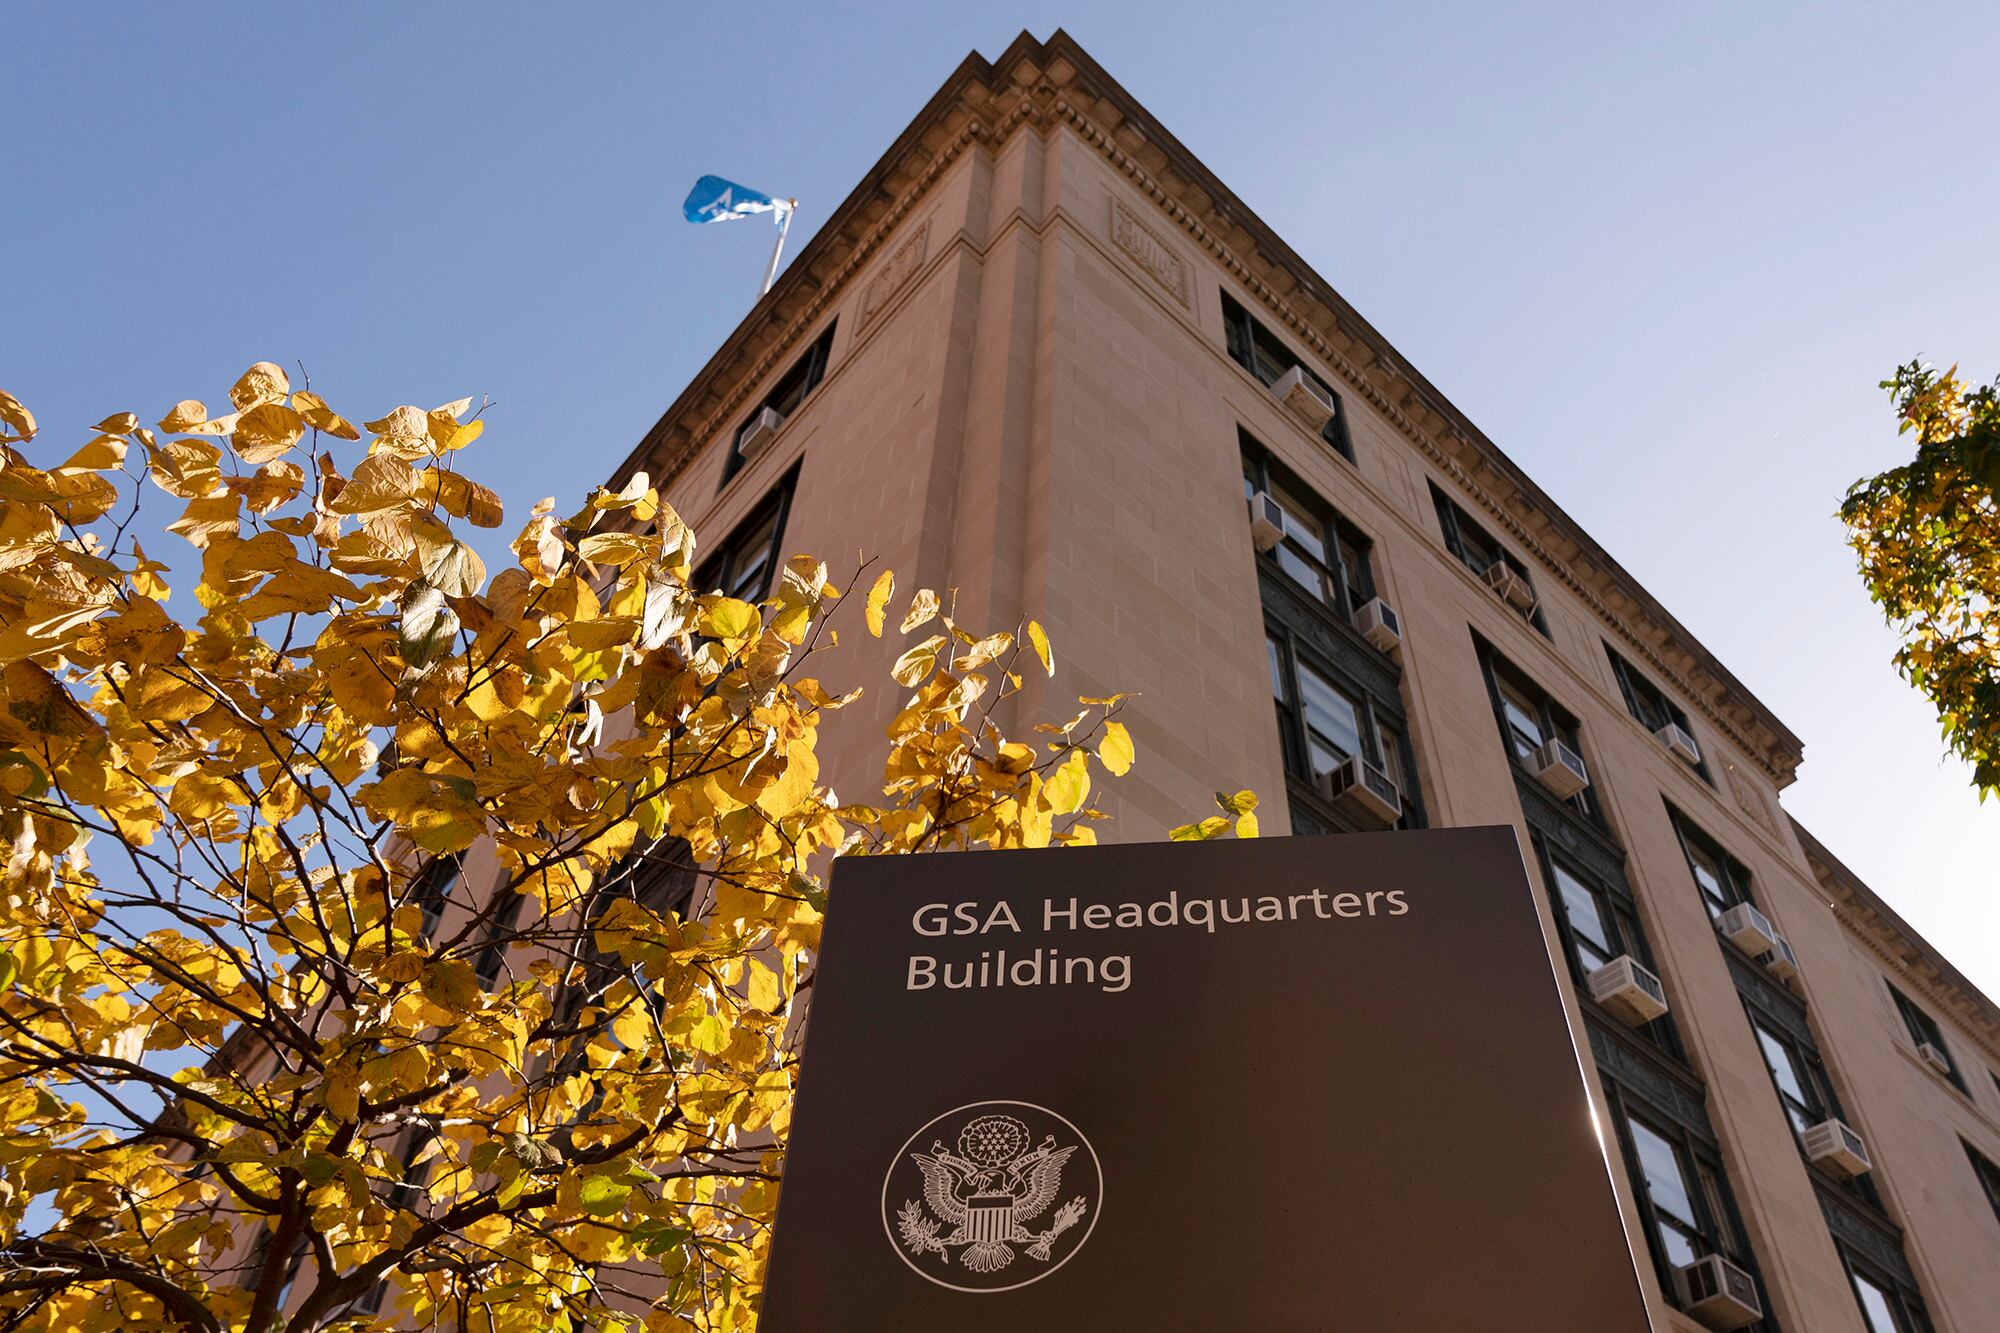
(714, 199)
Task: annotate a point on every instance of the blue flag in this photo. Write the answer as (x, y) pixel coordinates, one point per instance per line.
(714, 199)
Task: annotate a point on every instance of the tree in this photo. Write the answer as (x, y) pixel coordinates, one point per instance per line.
(1928, 537)
(272, 1054)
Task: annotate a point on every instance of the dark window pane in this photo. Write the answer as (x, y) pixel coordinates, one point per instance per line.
(1333, 718)
(1666, 1181)
(1586, 919)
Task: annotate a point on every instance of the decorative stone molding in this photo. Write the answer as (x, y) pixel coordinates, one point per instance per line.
(1876, 1239)
(1666, 1091)
(1150, 251)
(1751, 800)
(894, 275)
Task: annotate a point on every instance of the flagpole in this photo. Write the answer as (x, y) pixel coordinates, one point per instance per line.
(784, 225)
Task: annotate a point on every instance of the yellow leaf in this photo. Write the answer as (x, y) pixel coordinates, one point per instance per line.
(266, 432)
(321, 417)
(878, 600)
(1115, 750)
(119, 423)
(1040, 639)
(18, 418)
(914, 665)
(342, 1091)
(922, 608)
(101, 454)
(727, 618)
(457, 494)
(404, 433)
(983, 651)
(613, 548)
(262, 383)
(184, 416)
(380, 482)
(1069, 786)
(454, 569)
(765, 988)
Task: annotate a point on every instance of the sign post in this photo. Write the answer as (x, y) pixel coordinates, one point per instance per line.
(1288, 1083)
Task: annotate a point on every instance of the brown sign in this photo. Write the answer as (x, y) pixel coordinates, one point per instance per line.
(1290, 1083)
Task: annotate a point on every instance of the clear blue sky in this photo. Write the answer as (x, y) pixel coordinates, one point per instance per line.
(1662, 254)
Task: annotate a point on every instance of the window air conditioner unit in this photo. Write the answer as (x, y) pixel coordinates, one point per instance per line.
(1629, 990)
(1378, 624)
(1267, 521)
(1781, 962)
(1360, 787)
(1718, 1293)
(1308, 400)
(763, 428)
(1679, 743)
(1748, 929)
(1560, 769)
(1833, 1144)
(1513, 587)
(1935, 1057)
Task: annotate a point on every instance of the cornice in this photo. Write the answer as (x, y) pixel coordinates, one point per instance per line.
(1890, 938)
(1055, 82)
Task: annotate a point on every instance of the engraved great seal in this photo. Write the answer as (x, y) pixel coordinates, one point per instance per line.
(992, 1196)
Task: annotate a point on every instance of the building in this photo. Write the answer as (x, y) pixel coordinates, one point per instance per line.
(1040, 355)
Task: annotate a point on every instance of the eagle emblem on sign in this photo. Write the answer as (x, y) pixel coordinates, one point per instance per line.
(986, 1199)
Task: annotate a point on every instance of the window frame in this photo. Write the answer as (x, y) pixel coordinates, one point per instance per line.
(1816, 1101)
(798, 382)
(1905, 1306)
(1987, 1172)
(1717, 1227)
(1618, 913)
(1251, 344)
(1922, 1027)
(491, 960)
(1734, 881)
(1284, 654)
(1552, 720)
(430, 889)
(1653, 708)
(1463, 533)
(719, 570)
(1345, 586)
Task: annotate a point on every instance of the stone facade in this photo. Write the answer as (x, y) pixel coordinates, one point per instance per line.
(1030, 399)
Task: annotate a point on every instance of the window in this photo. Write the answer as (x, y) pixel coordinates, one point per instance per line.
(661, 877)
(1259, 351)
(1599, 924)
(494, 952)
(1887, 1306)
(1323, 721)
(1681, 1193)
(1722, 879)
(742, 566)
(432, 889)
(1476, 548)
(1327, 720)
(1322, 553)
(1649, 705)
(1593, 924)
(1925, 1031)
(784, 398)
(1988, 1174)
(1529, 719)
(1800, 1084)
